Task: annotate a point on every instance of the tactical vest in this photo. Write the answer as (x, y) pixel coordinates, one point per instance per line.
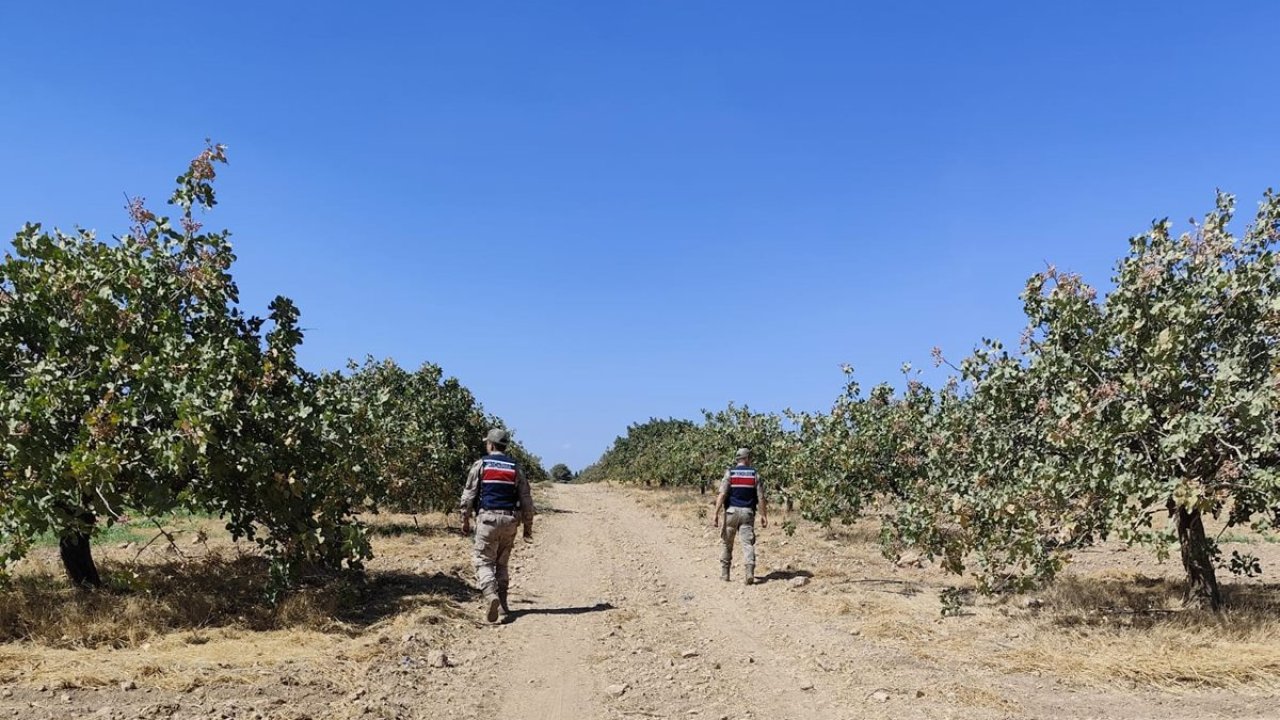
(742, 487)
(498, 482)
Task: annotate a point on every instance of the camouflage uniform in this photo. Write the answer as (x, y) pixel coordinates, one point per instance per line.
(494, 482)
(740, 516)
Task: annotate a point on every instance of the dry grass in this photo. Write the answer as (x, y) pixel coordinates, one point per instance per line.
(1131, 629)
(146, 600)
(178, 623)
(970, 696)
(681, 503)
(1159, 660)
(175, 662)
(1116, 620)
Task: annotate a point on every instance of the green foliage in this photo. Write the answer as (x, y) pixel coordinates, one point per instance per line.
(952, 601)
(131, 379)
(1157, 401)
(1246, 564)
(864, 448)
(681, 453)
(665, 452)
(419, 431)
(561, 473)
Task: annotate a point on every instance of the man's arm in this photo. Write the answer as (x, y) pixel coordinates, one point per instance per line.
(469, 492)
(721, 496)
(763, 502)
(527, 510)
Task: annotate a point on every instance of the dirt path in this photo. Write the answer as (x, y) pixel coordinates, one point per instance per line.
(554, 595)
(617, 616)
(613, 619)
(621, 614)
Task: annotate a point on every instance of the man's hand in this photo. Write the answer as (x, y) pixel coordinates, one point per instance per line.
(764, 521)
(466, 523)
(528, 534)
(715, 519)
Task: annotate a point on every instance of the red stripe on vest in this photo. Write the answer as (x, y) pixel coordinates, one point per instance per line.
(502, 475)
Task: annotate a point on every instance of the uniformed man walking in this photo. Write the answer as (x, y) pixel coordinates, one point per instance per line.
(498, 493)
(741, 496)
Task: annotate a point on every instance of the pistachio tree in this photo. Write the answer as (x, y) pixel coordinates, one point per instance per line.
(1136, 415)
(420, 431)
(130, 380)
(866, 449)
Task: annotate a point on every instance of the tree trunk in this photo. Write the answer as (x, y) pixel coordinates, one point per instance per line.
(1202, 581)
(77, 557)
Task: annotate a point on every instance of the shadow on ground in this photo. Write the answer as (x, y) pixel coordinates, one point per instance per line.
(385, 594)
(777, 575)
(398, 528)
(581, 610)
(140, 601)
(1139, 601)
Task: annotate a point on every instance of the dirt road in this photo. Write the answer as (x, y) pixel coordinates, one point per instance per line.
(616, 617)
(620, 613)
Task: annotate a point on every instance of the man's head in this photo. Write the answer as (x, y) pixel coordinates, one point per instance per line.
(497, 439)
(743, 456)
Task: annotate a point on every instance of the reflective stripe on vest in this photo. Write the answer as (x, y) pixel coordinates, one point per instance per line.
(742, 487)
(498, 483)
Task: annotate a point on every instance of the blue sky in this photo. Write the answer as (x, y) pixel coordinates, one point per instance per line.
(593, 213)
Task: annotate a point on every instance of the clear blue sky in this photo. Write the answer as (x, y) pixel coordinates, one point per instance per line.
(597, 212)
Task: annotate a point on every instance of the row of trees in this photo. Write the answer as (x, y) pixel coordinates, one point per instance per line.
(675, 452)
(131, 381)
(1132, 415)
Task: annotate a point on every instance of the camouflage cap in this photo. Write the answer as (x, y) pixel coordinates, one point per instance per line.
(742, 453)
(498, 436)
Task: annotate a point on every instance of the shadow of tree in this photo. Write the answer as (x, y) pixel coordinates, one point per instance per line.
(906, 588)
(1139, 601)
(142, 600)
(386, 594)
(398, 528)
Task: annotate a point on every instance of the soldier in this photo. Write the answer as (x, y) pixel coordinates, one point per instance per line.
(741, 492)
(498, 493)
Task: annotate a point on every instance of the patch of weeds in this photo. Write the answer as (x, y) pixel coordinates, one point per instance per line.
(953, 601)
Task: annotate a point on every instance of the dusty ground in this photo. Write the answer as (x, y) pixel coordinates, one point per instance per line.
(619, 613)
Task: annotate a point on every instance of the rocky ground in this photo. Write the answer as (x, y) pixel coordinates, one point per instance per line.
(619, 613)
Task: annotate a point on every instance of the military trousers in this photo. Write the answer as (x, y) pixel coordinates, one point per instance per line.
(491, 553)
(739, 522)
